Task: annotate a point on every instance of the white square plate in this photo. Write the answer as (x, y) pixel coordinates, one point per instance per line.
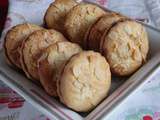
(34, 94)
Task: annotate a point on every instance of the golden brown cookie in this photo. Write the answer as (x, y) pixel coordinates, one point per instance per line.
(125, 47)
(99, 27)
(32, 48)
(85, 81)
(56, 13)
(51, 62)
(79, 19)
(14, 39)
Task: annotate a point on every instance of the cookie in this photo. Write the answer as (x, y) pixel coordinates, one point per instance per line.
(125, 46)
(32, 48)
(14, 39)
(56, 13)
(79, 19)
(51, 62)
(85, 81)
(98, 28)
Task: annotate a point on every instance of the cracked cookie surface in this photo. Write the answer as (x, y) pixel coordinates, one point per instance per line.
(125, 47)
(51, 62)
(32, 48)
(85, 81)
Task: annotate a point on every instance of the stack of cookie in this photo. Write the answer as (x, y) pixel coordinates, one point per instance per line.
(61, 67)
(81, 79)
(122, 41)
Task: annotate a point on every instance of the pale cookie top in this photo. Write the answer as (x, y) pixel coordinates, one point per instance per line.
(79, 19)
(125, 47)
(14, 39)
(99, 27)
(51, 61)
(85, 81)
(55, 14)
(32, 48)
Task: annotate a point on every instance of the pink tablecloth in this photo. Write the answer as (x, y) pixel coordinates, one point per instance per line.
(14, 106)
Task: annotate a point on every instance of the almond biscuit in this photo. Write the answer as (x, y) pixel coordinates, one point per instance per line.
(98, 29)
(79, 19)
(32, 48)
(56, 13)
(14, 39)
(125, 47)
(51, 62)
(85, 81)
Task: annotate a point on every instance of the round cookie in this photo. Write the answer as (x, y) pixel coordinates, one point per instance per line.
(14, 39)
(79, 19)
(98, 28)
(32, 48)
(56, 13)
(85, 81)
(125, 47)
(51, 62)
